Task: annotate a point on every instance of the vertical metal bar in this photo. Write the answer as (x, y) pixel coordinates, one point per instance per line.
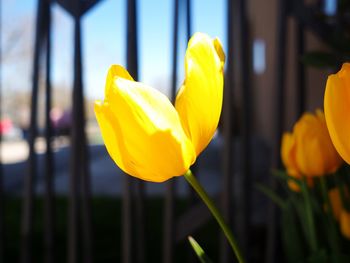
(84, 172)
(82, 148)
(87, 231)
(126, 223)
(281, 75)
(301, 85)
(28, 198)
(74, 176)
(188, 19)
(138, 185)
(175, 50)
(228, 132)
(2, 194)
(169, 224)
(271, 242)
(49, 209)
(132, 43)
(246, 125)
(140, 221)
(74, 204)
(80, 177)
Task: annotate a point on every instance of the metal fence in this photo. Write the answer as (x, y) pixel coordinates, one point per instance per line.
(80, 230)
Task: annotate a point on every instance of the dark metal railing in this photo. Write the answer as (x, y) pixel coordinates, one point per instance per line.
(237, 78)
(134, 224)
(49, 210)
(271, 243)
(244, 69)
(228, 132)
(28, 198)
(79, 183)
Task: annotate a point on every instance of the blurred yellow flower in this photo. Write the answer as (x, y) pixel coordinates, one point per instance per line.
(309, 151)
(337, 110)
(336, 202)
(345, 223)
(295, 187)
(145, 134)
(339, 211)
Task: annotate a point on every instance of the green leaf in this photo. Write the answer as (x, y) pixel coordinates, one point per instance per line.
(203, 258)
(319, 256)
(285, 177)
(312, 233)
(271, 194)
(330, 223)
(293, 239)
(341, 184)
(298, 205)
(342, 258)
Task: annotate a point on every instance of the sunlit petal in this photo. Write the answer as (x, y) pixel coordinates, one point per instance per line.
(115, 71)
(199, 100)
(146, 131)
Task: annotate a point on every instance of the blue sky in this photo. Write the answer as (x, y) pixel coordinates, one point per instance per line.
(104, 40)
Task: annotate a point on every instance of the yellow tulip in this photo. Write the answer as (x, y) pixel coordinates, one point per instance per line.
(288, 154)
(339, 211)
(336, 202)
(145, 134)
(288, 158)
(337, 110)
(345, 223)
(309, 151)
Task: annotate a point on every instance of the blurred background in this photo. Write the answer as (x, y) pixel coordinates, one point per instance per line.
(62, 199)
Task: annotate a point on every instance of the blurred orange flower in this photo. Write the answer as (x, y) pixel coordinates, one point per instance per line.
(336, 202)
(339, 211)
(345, 223)
(309, 151)
(337, 110)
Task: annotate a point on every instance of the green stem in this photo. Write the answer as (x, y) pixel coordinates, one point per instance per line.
(309, 216)
(340, 185)
(215, 212)
(333, 228)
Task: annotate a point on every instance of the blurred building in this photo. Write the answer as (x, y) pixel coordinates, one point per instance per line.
(262, 20)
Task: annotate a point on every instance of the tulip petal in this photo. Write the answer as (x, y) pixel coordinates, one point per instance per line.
(345, 223)
(309, 149)
(142, 132)
(109, 127)
(114, 72)
(315, 153)
(337, 110)
(336, 202)
(331, 158)
(288, 154)
(199, 100)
